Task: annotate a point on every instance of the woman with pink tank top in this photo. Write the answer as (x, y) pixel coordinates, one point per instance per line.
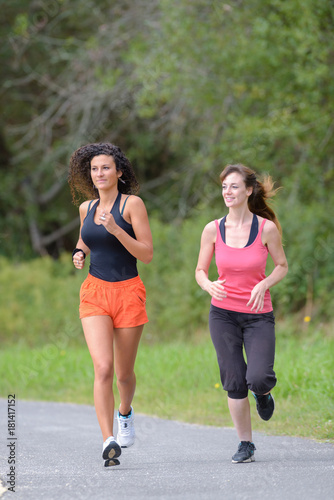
(241, 313)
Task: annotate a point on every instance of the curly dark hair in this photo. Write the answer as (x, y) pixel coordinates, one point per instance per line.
(79, 177)
(262, 191)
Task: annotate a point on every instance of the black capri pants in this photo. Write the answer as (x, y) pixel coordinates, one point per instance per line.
(230, 332)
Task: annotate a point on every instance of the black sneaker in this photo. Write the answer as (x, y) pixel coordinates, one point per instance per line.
(245, 453)
(265, 405)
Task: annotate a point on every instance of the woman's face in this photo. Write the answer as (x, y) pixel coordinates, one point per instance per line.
(103, 172)
(234, 190)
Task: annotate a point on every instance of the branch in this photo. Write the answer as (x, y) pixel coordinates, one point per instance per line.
(36, 238)
(44, 198)
(50, 238)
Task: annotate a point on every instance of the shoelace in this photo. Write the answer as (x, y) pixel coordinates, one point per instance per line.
(263, 400)
(244, 446)
(125, 427)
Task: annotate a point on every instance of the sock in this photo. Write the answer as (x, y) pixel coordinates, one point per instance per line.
(127, 415)
(262, 395)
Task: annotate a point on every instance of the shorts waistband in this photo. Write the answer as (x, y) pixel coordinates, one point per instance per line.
(113, 284)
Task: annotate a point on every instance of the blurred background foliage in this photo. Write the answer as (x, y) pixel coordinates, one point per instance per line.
(183, 88)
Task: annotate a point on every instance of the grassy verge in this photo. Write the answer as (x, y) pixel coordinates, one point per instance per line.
(180, 380)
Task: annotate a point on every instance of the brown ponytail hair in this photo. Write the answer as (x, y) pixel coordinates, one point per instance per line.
(262, 191)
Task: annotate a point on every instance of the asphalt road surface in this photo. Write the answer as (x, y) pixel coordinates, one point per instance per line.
(57, 456)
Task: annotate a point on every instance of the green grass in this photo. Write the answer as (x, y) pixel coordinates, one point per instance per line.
(180, 380)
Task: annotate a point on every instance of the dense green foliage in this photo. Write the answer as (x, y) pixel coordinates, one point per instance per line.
(184, 88)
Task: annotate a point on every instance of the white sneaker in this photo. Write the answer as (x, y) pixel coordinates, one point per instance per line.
(111, 449)
(126, 430)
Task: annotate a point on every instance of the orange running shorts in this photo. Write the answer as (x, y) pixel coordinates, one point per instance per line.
(123, 301)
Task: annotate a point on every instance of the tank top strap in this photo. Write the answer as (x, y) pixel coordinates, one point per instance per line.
(115, 207)
(90, 204)
(222, 228)
(254, 230)
(262, 224)
(126, 199)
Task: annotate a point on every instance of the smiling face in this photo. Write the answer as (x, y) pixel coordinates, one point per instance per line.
(234, 190)
(103, 172)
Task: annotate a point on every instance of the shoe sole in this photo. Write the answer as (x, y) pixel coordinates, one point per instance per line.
(124, 445)
(111, 462)
(113, 450)
(247, 461)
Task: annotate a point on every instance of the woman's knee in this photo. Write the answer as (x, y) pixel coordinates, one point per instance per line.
(125, 377)
(261, 383)
(104, 371)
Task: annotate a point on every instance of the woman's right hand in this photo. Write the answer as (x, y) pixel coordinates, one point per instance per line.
(79, 260)
(217, 290)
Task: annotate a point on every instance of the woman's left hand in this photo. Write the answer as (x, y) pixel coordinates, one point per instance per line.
(257, 296)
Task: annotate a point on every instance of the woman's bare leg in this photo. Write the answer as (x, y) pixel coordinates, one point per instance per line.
(126, 346)
(240, 413)
(99, 333)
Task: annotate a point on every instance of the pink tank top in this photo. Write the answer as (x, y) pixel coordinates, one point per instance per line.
(242, 268)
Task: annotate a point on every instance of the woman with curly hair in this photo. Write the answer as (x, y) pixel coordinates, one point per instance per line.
(115, 231)
(241, 313)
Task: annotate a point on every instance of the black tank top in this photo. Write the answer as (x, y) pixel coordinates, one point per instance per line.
(253, 232)
(109, 259)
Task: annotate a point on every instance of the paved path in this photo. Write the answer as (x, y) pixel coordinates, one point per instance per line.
(58, 457)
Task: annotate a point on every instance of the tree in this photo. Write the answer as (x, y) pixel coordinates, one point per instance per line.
(184, 88)
(66, 84)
